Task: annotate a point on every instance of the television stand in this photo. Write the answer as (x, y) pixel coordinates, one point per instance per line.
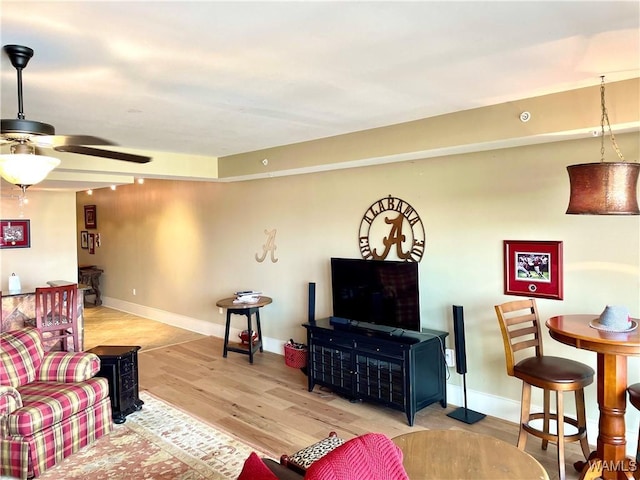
(401, 369)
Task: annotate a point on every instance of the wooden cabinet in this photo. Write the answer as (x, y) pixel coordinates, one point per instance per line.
(397, 368)
(119, 364)
(89, 275)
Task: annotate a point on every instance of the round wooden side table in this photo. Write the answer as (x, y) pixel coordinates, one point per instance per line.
(457, 454)
(248, 310)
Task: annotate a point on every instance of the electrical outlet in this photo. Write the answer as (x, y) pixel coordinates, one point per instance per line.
(134, 292)
(450, 357)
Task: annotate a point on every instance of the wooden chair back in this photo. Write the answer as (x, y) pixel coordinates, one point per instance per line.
(57, 314)
(520, 327)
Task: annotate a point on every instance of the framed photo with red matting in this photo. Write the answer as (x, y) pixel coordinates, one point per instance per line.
(15, 233)
(90, 217)
(533, 268)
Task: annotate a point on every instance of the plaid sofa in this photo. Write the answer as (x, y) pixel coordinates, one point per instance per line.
(51, 405)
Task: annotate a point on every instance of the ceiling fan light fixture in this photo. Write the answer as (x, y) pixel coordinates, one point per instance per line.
(20, 131)
(25, 169)
(23, 128)
(604, 188)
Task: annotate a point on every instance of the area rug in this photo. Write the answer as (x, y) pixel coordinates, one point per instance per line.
(158, 442)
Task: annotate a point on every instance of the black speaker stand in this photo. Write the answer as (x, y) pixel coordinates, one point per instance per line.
(463, 413)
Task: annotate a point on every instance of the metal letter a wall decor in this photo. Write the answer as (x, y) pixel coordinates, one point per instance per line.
(268, 247)
(391, 229)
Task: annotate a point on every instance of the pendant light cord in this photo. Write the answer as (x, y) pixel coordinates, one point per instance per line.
(603, 118)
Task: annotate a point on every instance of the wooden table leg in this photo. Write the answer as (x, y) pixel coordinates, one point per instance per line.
(259, 328)
(250, 330)
(226, 335)
(610, 460)
(612, 399)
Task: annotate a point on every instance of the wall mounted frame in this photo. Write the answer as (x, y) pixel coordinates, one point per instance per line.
(90, 217)
(533, 268)
(84, 239)
(15, 233)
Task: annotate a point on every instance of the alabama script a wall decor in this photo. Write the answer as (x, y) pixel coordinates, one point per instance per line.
(391, 229)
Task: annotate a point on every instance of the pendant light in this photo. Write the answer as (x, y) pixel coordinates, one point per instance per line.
(604, 188)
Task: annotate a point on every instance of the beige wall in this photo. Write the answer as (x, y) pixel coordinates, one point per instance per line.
(553, 117)
(184, 245)
(52, 255)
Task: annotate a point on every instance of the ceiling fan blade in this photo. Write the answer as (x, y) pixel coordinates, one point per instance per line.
(32, 135)
(97, 152)
(54, 141)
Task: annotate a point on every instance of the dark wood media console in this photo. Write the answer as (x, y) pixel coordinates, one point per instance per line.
(401, 369)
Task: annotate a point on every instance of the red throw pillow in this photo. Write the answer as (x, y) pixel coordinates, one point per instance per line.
(372, 456)
(255, 469)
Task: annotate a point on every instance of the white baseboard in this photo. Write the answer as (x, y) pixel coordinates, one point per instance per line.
(188, 323)
(509, 410)
(499, 407)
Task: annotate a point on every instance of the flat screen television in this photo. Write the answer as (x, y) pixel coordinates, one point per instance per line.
(376, 291)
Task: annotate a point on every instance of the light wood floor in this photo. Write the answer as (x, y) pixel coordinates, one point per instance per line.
(106, 326)
(267, 404)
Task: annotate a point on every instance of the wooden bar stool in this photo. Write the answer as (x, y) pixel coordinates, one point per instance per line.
(520, 326)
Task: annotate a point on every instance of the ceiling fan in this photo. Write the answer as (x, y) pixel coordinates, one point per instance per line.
(25, 136)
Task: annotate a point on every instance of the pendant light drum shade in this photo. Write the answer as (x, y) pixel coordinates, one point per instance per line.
(605, 188)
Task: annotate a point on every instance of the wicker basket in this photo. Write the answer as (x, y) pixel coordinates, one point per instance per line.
(295, 355)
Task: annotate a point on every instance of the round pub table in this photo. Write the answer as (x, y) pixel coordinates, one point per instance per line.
(248, 310)
(463, 455)
(612, 348)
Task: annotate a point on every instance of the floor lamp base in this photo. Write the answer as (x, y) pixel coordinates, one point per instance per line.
(465, 415)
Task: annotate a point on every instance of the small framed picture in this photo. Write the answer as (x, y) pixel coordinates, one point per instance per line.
(90, 217)
(92, 243)
(15, 233)
(533, 268)
(84, 239)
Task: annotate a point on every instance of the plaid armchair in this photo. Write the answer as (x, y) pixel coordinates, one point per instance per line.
(51, 405)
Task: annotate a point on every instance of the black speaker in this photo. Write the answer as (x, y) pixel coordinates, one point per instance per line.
(312, 303)
(463, 413)
(458, 330)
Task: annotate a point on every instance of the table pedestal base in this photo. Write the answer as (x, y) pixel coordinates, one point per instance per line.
(611, 435)
(595, 468)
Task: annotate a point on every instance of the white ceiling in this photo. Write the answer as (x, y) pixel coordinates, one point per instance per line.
(217, 78)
